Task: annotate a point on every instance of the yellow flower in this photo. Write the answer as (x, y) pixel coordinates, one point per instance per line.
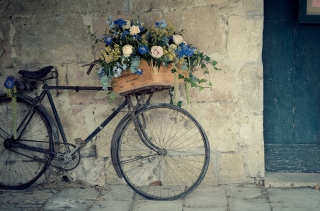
(110, 55)
(170, 53)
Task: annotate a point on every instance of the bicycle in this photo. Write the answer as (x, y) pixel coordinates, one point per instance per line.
(160, 150)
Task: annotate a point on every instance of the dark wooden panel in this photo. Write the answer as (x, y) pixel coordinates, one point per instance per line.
(292, 158)
(291, 62)
(278, 60)
(307, 85)
(281, 9)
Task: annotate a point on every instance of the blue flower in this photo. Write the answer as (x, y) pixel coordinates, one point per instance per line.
(185, 50)
(108, 40)
(110, 22)
(9, 83)
(139, 71)
(123, 35)
(124, 66)
(161, 24)
(120, 22)
(143, 49)
(117, 71)
(188, 50)
(141, 28)
(101, 72)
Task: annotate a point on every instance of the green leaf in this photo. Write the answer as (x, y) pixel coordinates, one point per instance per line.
(201, 80)
(214, 63)
(180, 76)
(105, 81)
(193, 84)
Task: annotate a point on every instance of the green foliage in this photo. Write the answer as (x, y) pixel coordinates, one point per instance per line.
(127, 42)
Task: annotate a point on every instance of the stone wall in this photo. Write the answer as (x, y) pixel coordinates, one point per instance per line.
(38, 33)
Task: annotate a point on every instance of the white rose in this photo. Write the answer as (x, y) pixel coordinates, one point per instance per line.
(134, 30)
(156, 51)
(127, 26)
(177, 39)
(127, 50)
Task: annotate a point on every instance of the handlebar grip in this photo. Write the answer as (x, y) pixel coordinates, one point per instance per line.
(90, 68)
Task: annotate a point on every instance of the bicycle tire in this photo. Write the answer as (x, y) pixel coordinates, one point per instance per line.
(20, 168)
(182, 163)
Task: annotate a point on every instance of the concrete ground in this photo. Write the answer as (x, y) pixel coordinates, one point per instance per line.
(231, 197)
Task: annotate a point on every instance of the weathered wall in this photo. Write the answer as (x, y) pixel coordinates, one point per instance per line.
(36, 33)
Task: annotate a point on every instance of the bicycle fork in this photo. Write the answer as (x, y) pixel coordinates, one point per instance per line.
(140, 124)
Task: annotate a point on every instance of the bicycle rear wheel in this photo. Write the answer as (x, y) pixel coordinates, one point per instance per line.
(181, 161)
(21, 167)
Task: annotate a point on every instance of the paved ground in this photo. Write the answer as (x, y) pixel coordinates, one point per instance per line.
(242, 197)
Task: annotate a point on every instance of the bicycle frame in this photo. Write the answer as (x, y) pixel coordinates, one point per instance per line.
(127, 102)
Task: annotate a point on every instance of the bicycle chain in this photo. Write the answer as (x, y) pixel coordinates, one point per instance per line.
(47, 154)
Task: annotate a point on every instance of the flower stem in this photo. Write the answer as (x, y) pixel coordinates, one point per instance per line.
(187, 84)
(12, 93)
(187, 92)
(176, 87)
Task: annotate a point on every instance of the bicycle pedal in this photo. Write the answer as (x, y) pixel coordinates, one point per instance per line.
(79, 142)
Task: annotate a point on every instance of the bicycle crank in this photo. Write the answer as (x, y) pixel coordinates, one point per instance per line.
(67, 160)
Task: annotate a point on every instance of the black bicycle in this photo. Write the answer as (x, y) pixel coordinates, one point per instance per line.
(160, 150)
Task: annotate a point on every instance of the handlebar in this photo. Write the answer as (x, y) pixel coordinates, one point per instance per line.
(91, 65)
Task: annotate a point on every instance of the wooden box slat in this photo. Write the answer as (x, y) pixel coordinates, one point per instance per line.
(128, 81)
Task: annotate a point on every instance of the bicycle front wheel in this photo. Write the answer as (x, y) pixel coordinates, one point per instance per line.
(20, 165)
(180, 162)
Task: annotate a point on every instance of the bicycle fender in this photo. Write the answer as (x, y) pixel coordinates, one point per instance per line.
(114, 144)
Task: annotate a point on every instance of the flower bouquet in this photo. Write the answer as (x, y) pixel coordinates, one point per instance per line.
(128, 43)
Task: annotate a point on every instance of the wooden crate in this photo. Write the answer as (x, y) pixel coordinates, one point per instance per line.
(128, 81)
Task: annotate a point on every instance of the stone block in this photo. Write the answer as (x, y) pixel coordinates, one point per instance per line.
(62, 39)
(294, 198)
(250, 93)
(168, 5)
(209, 196)
(253, 7)
(222, 90)
(110, 205)
(28, 197)
(110, 7)
(227, 8)
(201, 27)
(72, 199)
(118, 193)
(240, 192)
(250, 131)
(90, 170)
(248, 32)
(232, 168)
(254, 159)
(151, 205)
(217, 120)
(248, 204)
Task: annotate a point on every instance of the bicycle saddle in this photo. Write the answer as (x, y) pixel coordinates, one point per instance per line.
(35, 74)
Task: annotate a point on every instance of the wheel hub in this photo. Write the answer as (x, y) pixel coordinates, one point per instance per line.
(162, 152)
(8, 143)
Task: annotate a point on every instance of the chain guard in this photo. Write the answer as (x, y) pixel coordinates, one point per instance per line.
(65, 160)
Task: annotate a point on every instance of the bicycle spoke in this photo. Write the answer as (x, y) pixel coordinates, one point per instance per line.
(181, 161)
(24, 160)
